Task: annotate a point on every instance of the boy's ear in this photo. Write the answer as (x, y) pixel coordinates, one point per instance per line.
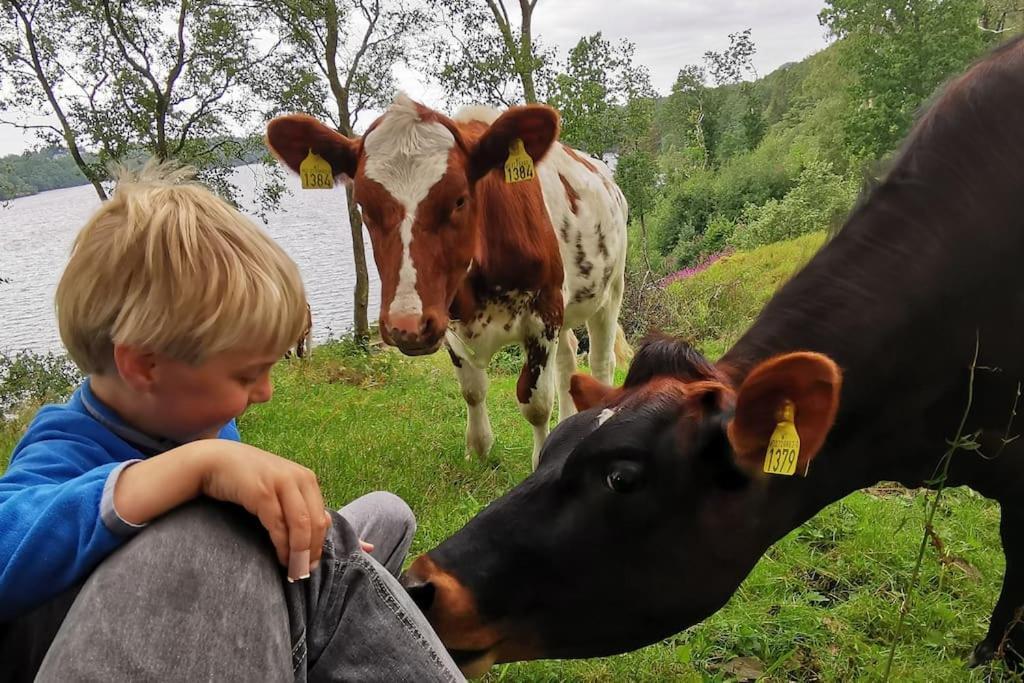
(535, 124)
(135, 367)
(588, 392)
(810, 381)
(292, 137)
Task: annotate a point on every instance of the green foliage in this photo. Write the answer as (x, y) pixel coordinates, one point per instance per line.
(128, 80)
(821, 605)
(486, 57)
(685, 210)
(898, 53)
(748, 163)
(31, 172)
(821, 199)
(508, 360)
(28, 379)
(602, 95)
(695, 115)
(636, 174)
(823, 602)
(714, 307)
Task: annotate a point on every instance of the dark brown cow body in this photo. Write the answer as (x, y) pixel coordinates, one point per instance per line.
(471, 261)
(645, 517)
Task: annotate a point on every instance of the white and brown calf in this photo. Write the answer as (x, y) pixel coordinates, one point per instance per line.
(470, 261)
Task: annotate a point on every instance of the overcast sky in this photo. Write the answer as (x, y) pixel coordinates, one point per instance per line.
(668, 34)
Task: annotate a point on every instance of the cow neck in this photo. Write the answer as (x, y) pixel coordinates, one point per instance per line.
(875, 306)
(516, 247)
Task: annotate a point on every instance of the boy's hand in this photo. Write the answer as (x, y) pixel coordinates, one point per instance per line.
(284, 496)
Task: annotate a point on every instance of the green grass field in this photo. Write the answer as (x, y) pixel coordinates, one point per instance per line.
(822, 605)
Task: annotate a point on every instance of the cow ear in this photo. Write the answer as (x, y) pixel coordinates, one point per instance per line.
(588, 392)
(810, 381)
(535, 124)
(292, 137)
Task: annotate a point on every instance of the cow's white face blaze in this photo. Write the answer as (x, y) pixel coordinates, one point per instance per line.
(414, 175)
(407, 156)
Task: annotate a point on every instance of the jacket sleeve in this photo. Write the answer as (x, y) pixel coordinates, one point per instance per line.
(53, 529)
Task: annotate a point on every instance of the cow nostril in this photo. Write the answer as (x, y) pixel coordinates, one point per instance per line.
(422, 594)
(432, 325)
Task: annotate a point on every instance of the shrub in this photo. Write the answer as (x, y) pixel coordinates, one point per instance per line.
(27, 378)
(820, 200)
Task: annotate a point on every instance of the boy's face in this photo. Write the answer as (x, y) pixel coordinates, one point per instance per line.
(196, 401)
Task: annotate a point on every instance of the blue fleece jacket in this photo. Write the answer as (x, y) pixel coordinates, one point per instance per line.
(57, 517)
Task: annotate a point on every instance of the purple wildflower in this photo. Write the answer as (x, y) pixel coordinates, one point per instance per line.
(690, 271)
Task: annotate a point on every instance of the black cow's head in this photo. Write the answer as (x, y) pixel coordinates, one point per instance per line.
(648, 509)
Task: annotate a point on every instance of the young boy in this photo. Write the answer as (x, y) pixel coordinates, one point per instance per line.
(115, 563)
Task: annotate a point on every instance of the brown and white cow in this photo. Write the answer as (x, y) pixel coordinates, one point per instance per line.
(650, 506)
(470, 261)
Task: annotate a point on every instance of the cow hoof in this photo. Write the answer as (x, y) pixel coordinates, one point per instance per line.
(479, 445)
(982, 654)
(985, 652)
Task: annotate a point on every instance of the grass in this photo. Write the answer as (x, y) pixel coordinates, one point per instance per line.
(822, 605)
(715, 307)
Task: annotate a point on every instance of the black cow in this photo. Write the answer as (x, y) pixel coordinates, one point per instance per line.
(650, 507)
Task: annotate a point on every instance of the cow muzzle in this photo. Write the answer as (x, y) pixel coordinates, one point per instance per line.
(451, 609)
(414, 335)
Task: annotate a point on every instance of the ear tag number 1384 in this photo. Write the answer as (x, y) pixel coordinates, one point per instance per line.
(316, 173)
(519, 166)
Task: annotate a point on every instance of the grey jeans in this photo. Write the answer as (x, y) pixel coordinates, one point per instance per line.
(200, 596)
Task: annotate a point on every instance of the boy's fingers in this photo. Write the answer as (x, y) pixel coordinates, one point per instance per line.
(366, 546)
(297, 518)
(318, 522)
(298, 565)
(272, 519)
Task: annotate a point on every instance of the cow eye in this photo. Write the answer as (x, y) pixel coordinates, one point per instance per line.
(625, 476)
(460, 202)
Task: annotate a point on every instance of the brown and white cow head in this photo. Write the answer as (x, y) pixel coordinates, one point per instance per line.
(415, 173)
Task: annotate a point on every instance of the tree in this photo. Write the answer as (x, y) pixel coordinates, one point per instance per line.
(485, 58)
(898, 53)
(694, 108)
(597, 83)
(147, 78)
(31, 66)
(1002, 17)
(346, 57)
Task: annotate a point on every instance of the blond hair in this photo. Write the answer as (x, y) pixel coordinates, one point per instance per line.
(166, 266)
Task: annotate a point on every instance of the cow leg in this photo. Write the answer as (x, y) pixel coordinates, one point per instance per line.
(536, 388)
(602, 328)
(566, 366)
(473, 382)
(1011, 599)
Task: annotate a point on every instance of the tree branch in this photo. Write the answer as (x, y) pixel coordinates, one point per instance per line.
(179, 61)
(66, 130)
(370, 27)
(27, 126)
(144, 71)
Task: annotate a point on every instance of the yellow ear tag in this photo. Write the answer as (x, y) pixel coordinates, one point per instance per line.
(784, 446)
(316, 173)
(519, 166)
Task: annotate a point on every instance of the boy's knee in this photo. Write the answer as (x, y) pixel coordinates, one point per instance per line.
(206, 535)
(395, 510)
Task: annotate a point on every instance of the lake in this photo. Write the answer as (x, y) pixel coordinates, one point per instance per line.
(36, 234)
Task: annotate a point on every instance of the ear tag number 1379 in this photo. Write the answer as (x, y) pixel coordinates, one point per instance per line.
(784, 446)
